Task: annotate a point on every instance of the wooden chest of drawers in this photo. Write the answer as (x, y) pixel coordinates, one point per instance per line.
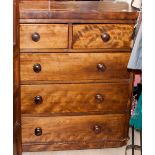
(75, 87)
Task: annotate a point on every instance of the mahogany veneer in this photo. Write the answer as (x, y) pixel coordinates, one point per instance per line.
(75, 86)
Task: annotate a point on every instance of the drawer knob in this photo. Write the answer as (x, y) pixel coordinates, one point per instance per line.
(38, 99)
(99, 98)
(38, 131)
(37, 68)
(97, 129)
(101, 67)
(35, 37)
(105, 37)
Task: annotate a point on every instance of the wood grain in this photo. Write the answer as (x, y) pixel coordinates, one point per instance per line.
(98, 10)
(74, 82)
(73, 146)
(74, 66)
(17, 148)
(16, 73)
(51, 36)
(79, 21)
(76, 129)
(71, 50)
(89, 35)
(74, 98)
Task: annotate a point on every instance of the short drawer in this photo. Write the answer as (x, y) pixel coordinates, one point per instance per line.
(74, 66)
(74, 98)
(43, 36)
(70, 129)
(102, 36)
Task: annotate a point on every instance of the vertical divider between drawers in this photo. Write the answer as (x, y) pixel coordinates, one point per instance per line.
(70, 35)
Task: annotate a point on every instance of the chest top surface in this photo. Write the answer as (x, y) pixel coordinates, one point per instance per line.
(96, 10)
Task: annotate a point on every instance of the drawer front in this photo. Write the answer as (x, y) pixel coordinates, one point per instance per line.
(74, 66)
(73, 128)
(73, 98)
(43, 36)
(102, 36)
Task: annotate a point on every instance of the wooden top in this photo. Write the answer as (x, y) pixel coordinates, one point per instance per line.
(81, 10)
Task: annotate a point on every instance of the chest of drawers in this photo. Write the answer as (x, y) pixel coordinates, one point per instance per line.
(74, 84)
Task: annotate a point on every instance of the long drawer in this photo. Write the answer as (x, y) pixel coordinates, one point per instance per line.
(74, 66)
(102, 35)
(74, 98)
(43, 36)
(68, 129)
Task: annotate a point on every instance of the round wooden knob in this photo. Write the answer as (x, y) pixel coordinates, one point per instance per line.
(97, 129)
(38, 131)
(37, 68)
(35, 37)
(105, 37)
(38, 99)
(101, 67)
(99, 98)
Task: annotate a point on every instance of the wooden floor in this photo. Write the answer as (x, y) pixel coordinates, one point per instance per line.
(114, 151)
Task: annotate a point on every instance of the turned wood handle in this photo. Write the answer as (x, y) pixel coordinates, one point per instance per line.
(97, 129)
(35, 36)
(101, 67)
(99, 98)
(37, 68)
(38, 131)
(105, 37)
(38, 99)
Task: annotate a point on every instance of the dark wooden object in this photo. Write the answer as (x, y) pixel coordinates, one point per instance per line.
(75, 86)
(17, 149)
(89, 10)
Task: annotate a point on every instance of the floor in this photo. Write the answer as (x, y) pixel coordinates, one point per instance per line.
(113, 151)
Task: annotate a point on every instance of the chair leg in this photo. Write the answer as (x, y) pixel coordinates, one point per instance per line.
(141, 140)
(133, 146)
(133, 140)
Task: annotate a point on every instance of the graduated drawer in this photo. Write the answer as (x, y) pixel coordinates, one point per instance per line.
(70, 129)
(43, 36)
(74, 98)
(74, 66)
(102, 35)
